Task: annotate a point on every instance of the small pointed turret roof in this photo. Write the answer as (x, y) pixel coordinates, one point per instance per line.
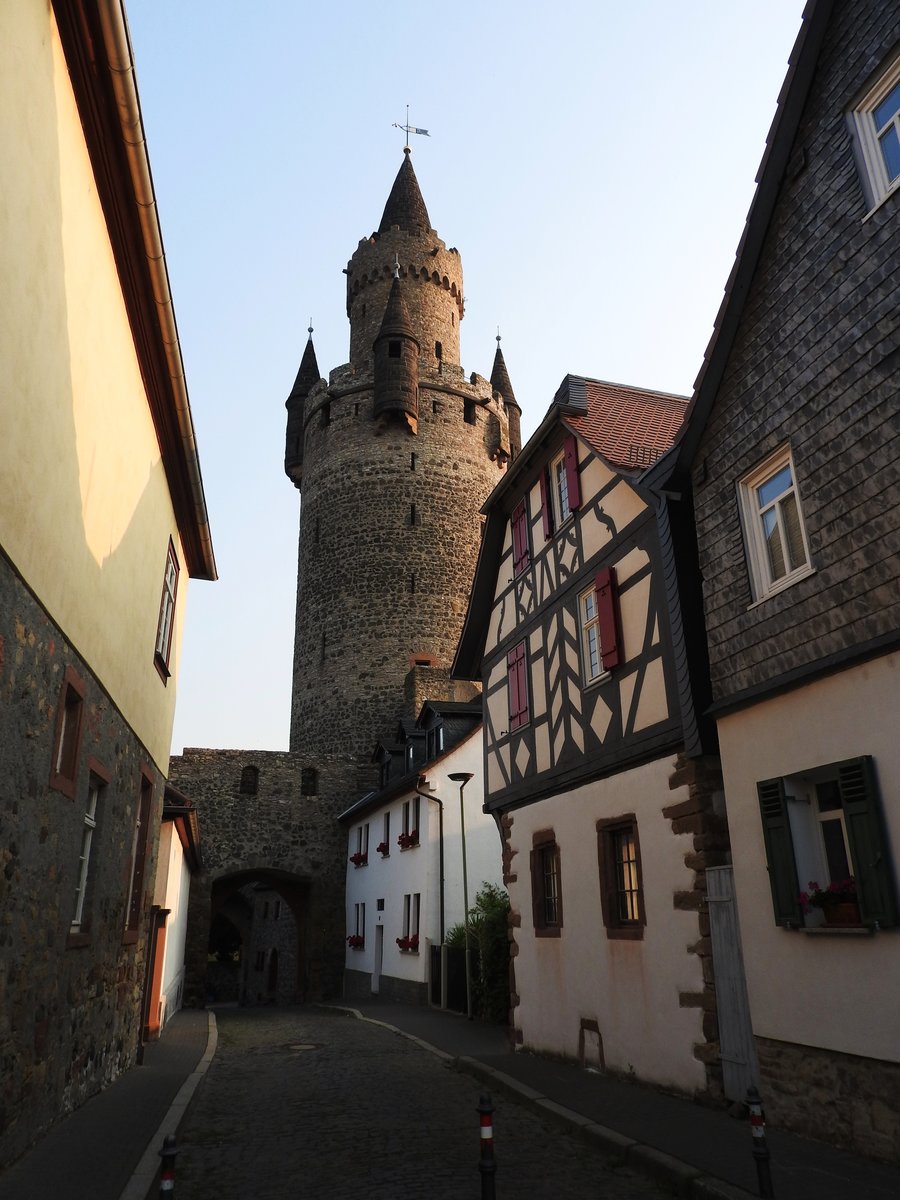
(308, 374)
(396, 321)
(500, 377)
(405, 206)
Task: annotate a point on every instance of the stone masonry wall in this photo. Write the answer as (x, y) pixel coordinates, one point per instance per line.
(841, 1099)
(280, 837)
(389, 538)
(69, 1006)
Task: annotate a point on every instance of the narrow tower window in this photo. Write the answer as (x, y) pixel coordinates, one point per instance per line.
(438, 351)
(393, 349)
(412, 460)
(412, 514)
(469, 412)
(412, 583)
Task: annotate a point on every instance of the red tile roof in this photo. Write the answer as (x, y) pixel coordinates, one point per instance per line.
(629, 426)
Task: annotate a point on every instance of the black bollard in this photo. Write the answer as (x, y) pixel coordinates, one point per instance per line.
(760, 1147)
(486, 1164)
(167, 1174)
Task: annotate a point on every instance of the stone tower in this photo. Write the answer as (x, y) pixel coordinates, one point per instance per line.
(394, 456)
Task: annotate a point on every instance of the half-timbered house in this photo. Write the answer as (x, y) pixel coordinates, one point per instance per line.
(597, 765)
(791, 456)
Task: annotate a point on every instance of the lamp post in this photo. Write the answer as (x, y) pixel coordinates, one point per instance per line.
(462, 778)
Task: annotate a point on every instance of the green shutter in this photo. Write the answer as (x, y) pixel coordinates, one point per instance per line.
(868, 842)
(779, 852)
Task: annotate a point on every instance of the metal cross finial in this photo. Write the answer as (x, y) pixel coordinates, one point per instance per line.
(396, 266)
(498, 337)
(310, 329)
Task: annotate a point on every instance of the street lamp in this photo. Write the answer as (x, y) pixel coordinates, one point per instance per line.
(462, 778)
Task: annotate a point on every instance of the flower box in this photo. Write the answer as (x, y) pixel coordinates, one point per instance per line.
(407, 840)
(359, 859)
(383, 849)
(409, 945)
(838, 902)
(356, 941)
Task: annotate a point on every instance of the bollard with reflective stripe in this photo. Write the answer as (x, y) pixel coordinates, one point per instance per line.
(486, 1164)
(167, 1174)
(760, 1146)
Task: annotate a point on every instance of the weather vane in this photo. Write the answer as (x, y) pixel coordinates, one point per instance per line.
(408, 129)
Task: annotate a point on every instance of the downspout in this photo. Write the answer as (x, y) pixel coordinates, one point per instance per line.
(440, 804)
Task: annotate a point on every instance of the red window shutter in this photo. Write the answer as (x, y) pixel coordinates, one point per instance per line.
(520, 538)
(572, 481)
(611, 649)
(546, 510)
(518, 687)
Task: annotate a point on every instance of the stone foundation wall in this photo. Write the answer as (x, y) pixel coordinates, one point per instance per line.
(841, 1099)
(358, 986)
(69, 1004)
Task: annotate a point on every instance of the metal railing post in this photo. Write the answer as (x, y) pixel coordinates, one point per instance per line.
(486, 1164)
(761, 1153)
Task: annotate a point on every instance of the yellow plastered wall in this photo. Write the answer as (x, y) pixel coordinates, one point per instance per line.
(85, 511)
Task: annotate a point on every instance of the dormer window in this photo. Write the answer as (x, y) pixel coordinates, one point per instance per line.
(434, 741)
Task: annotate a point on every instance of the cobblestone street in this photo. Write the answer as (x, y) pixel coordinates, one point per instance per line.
(306, 1103)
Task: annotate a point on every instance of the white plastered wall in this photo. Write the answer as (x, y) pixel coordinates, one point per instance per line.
(405, 872)
(839, 992)
(630, 988)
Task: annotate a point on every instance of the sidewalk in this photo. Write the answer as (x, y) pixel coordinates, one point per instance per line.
(699, 1152)
(108, 1148)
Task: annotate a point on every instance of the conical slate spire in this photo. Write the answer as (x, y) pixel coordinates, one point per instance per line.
(396, 321)
(500, 378)
(405, 206)
(308, 374)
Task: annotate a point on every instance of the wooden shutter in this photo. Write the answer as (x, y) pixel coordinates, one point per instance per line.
(573, 483)
(780, 852)
(518, 687)
(546, 509)
(868, 842)
(608, 619)
(520, 538)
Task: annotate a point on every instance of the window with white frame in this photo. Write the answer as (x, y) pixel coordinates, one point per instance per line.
(774, 534)
(166, 622)
(410, 833)
(559, 490)
(89, 824)
(360, 920)
(875, 124)
(412, 903)
(591, 660)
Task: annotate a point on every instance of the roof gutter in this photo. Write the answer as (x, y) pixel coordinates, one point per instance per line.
(120, 63)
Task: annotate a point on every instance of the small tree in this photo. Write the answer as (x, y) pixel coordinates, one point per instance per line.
(488, 929)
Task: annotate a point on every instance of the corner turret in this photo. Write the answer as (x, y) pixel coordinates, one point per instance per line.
(500, 382)
(396, 350)
(307, 378)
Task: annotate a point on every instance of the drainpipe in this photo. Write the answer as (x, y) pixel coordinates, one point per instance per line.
(440, 804)
(462, 778)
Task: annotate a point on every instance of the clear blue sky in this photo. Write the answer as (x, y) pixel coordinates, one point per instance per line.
(592, 161)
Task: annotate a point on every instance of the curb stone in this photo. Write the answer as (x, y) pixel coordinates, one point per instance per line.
(686, 1181)
(146, 1174)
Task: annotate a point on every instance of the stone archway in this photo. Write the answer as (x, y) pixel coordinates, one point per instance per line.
(277, 907)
